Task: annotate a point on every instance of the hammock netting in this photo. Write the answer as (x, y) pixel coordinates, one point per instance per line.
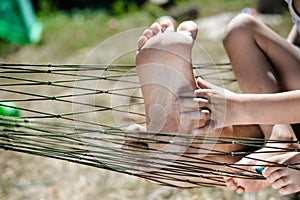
(70, 113)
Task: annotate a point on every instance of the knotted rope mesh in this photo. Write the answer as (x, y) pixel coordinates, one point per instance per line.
(69, 112)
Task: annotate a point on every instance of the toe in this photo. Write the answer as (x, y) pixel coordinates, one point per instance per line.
(164, 18)
(155, 28)
(141, 41)
(148, 33)
(279, 183)
(240, 190)
(167, 25)
(188, 27)
(289, 189)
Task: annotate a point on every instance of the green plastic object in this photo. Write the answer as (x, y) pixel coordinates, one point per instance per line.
(8, 109)
(18, 22)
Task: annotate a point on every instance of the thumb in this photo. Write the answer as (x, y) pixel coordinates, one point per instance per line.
(202, 83)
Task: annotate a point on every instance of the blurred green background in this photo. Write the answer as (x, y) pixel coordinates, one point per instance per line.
(88, 22)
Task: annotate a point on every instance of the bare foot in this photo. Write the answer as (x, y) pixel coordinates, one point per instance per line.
(164, 68)
(285, 179)
(278, 133)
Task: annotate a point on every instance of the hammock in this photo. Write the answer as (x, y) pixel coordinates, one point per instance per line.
(71, 113)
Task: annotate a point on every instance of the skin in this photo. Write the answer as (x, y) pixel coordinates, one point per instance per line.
(246, 108)
(164, 68)
(284, 179)
(269, 76)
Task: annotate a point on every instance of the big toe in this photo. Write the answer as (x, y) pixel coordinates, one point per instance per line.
(189, 28)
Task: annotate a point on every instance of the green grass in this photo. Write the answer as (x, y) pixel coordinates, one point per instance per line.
(65, 33)
(210, 7)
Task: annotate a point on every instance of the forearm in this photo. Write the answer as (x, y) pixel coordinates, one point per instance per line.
(281, 108)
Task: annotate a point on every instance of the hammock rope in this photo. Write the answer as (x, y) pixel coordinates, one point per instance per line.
(68, 114)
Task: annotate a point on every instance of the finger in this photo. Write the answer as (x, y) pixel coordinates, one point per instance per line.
(201, 100)
(188, 103)
(202, 83)
(191, 105)
(196, 115)
(204, 93)
(203, 104)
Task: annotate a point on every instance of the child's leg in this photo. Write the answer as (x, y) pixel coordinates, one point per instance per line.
(263, 62)
(258, 55)
(164, 68)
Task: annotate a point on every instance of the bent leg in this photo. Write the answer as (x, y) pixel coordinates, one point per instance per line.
(263, 62)
(164, 68)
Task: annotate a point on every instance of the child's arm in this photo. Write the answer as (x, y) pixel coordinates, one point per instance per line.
(279, 108)
(229, 108)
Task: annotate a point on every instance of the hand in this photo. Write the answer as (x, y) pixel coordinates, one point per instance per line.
(213, 104)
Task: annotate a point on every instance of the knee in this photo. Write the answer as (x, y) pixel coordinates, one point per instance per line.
(239, 27)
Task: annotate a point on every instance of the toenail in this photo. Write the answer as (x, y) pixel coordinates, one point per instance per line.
(259, 170)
